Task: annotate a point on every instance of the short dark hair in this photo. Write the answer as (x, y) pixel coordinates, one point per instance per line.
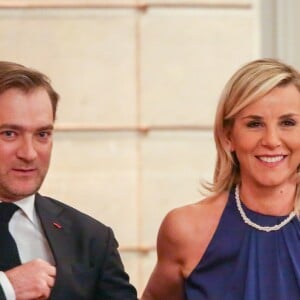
(13, 75)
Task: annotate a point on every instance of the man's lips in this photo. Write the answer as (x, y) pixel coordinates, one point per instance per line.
(23, 170)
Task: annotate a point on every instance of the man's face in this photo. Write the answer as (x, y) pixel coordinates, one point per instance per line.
(26, 126)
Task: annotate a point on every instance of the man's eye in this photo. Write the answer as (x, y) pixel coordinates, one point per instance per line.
(44, 134)
(8, 133)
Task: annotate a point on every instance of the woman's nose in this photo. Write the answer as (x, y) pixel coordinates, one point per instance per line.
(271, 138)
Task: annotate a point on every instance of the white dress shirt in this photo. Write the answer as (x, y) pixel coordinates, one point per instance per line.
(26, 229)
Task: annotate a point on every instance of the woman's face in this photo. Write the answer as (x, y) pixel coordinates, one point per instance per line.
(266, 138)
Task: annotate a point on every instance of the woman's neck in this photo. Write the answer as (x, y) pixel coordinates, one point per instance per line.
(277, 201)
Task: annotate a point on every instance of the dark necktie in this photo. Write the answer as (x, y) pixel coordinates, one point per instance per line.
(9, 256)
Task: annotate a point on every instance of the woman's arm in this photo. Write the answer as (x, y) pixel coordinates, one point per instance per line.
(167, 279)
(182, 240)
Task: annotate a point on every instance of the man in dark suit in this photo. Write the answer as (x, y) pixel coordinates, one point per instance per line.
(48, 250)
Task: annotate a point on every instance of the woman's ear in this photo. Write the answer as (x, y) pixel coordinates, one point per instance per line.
(229, 145)
(228, 140)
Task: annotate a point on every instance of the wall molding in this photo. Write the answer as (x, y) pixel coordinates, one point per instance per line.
(138, 5)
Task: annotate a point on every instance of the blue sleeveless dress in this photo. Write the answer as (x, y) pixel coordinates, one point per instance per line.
(243, 263)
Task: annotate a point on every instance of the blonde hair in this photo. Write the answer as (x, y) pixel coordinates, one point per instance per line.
(251, 82)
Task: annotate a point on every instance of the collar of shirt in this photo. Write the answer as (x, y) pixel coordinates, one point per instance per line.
(27, 207)
(35, 237)
(26, 223)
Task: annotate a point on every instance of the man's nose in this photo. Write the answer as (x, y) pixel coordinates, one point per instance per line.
(26, 150)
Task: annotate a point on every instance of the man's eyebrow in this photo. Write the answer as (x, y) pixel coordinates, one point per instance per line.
(47, 127)
(10, 126)
(19, 127)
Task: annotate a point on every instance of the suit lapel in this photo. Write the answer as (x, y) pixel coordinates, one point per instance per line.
(58, 232)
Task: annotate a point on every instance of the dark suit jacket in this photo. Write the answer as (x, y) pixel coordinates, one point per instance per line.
(88, 264)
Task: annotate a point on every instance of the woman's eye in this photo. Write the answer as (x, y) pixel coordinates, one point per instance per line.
(288, 122)
(254, 124)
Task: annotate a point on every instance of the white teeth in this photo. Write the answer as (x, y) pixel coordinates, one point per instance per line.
(272, 159)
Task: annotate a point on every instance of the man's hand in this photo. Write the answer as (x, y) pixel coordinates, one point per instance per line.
(32, 280)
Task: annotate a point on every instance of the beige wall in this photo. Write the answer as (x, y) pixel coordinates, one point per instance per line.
(121, 69)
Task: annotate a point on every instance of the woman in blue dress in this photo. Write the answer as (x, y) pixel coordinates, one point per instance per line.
(243, 241)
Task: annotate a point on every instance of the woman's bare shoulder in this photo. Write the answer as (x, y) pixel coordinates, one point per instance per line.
(196, 213)
(189, 229)
(201, 218)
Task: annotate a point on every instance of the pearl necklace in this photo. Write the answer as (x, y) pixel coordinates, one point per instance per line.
(254, 225)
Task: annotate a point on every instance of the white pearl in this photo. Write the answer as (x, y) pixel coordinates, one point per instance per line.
(254, 225)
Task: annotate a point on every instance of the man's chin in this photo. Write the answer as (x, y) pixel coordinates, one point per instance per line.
(22, 192)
